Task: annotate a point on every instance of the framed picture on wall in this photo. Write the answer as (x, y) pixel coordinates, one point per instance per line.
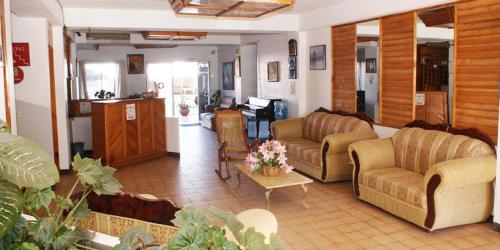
(228, 76)
(292, 67)
(317, 55)
(135, 64)
(273, 71)
(237, 67)
(371, 65)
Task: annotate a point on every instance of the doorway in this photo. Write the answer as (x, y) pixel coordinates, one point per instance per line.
(185, 87)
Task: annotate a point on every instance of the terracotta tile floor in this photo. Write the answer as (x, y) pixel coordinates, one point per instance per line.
(335, 220)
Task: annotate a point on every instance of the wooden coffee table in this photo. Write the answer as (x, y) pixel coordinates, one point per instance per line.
(271, 183)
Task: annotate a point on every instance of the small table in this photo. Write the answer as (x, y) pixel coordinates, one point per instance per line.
(271, 183)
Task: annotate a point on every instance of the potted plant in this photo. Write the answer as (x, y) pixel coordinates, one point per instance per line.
(270, 160)
(103, 94)
(184, 108)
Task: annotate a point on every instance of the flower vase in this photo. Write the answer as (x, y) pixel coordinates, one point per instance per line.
(272, 171)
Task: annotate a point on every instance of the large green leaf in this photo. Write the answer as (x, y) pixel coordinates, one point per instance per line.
(6, 243)
(11, 205)
(37, 198)
(26, 164)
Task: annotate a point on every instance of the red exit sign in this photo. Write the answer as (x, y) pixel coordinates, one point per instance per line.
(21, 54)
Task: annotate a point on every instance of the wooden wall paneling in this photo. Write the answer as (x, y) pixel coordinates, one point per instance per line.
(344, 68)
(398, 69)
(477, 65)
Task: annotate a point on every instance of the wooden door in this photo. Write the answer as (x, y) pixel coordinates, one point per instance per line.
(477, 65)
(53, 103)
(5, 62)
(398, 69)
(344, 68)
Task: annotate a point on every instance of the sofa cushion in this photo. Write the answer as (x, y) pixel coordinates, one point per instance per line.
(304, 149)
(418, 149)
(318, 125)
(397, 182)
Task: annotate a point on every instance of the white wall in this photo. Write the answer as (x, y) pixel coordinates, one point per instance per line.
(34, 116)
(226, 53)
(61, 96)
(318, 82)
(138, 83)
(271, 48)
(352, 11)
(248, 80)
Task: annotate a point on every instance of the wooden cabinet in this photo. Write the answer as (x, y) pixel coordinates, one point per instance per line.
(432, 106)
(128, 131)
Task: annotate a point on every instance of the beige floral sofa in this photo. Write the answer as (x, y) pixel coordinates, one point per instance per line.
(317, 144)
(431, 178)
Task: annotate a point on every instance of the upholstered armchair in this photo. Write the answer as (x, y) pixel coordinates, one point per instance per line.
(431, 178)
(317, 144)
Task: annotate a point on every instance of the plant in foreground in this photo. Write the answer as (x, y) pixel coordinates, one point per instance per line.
(27, 174)
(201, 230)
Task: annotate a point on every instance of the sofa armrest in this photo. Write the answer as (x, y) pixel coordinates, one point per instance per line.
(463, 172)
(286, 129)
(370, 154)
(451, 176)
(339, 143)
(373, 154)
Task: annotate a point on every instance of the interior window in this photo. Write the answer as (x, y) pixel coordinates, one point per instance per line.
(102, 76)
(435, 41)
(367, 70)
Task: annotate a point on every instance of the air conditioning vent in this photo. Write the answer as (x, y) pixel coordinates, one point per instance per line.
(108, 36)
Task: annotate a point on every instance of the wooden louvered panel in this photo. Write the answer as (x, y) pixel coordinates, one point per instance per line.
(398, 73)
(477, 67)
(343, 68)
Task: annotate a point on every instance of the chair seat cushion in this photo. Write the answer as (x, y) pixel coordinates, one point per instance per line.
(307, 150)
(399, 183)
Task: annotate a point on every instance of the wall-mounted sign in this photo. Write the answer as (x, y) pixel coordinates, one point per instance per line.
(18, 75)
(85, 107)
(130, 111)
(420, 99)
(21, 54)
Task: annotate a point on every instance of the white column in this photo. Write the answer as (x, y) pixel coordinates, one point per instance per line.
(496, 200)
(61, 97)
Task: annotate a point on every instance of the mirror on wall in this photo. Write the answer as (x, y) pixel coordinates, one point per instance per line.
(434, 63)
(367, 68)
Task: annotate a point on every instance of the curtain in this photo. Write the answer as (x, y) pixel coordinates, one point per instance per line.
(82, 81)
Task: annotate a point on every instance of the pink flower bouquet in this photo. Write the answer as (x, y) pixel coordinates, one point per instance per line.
(271, 154)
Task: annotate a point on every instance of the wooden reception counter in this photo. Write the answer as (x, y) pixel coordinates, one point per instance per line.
(126, 131)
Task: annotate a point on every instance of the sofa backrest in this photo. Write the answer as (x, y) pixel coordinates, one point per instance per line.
(318, 125)
(418, 149)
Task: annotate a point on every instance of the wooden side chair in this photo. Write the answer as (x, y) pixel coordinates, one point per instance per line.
(232, 139)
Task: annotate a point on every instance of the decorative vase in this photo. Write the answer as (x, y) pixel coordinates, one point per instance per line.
(272, 171)
(184, 111)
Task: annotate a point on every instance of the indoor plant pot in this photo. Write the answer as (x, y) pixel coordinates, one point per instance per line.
(272, 171)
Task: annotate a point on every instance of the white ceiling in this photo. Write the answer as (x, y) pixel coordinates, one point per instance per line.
(300, 6)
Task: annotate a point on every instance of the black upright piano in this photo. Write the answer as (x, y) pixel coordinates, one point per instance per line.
(259, 109)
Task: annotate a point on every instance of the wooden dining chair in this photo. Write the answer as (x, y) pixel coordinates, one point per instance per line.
(232, 138)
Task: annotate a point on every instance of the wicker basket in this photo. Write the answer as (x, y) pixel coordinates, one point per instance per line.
(272, 171)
